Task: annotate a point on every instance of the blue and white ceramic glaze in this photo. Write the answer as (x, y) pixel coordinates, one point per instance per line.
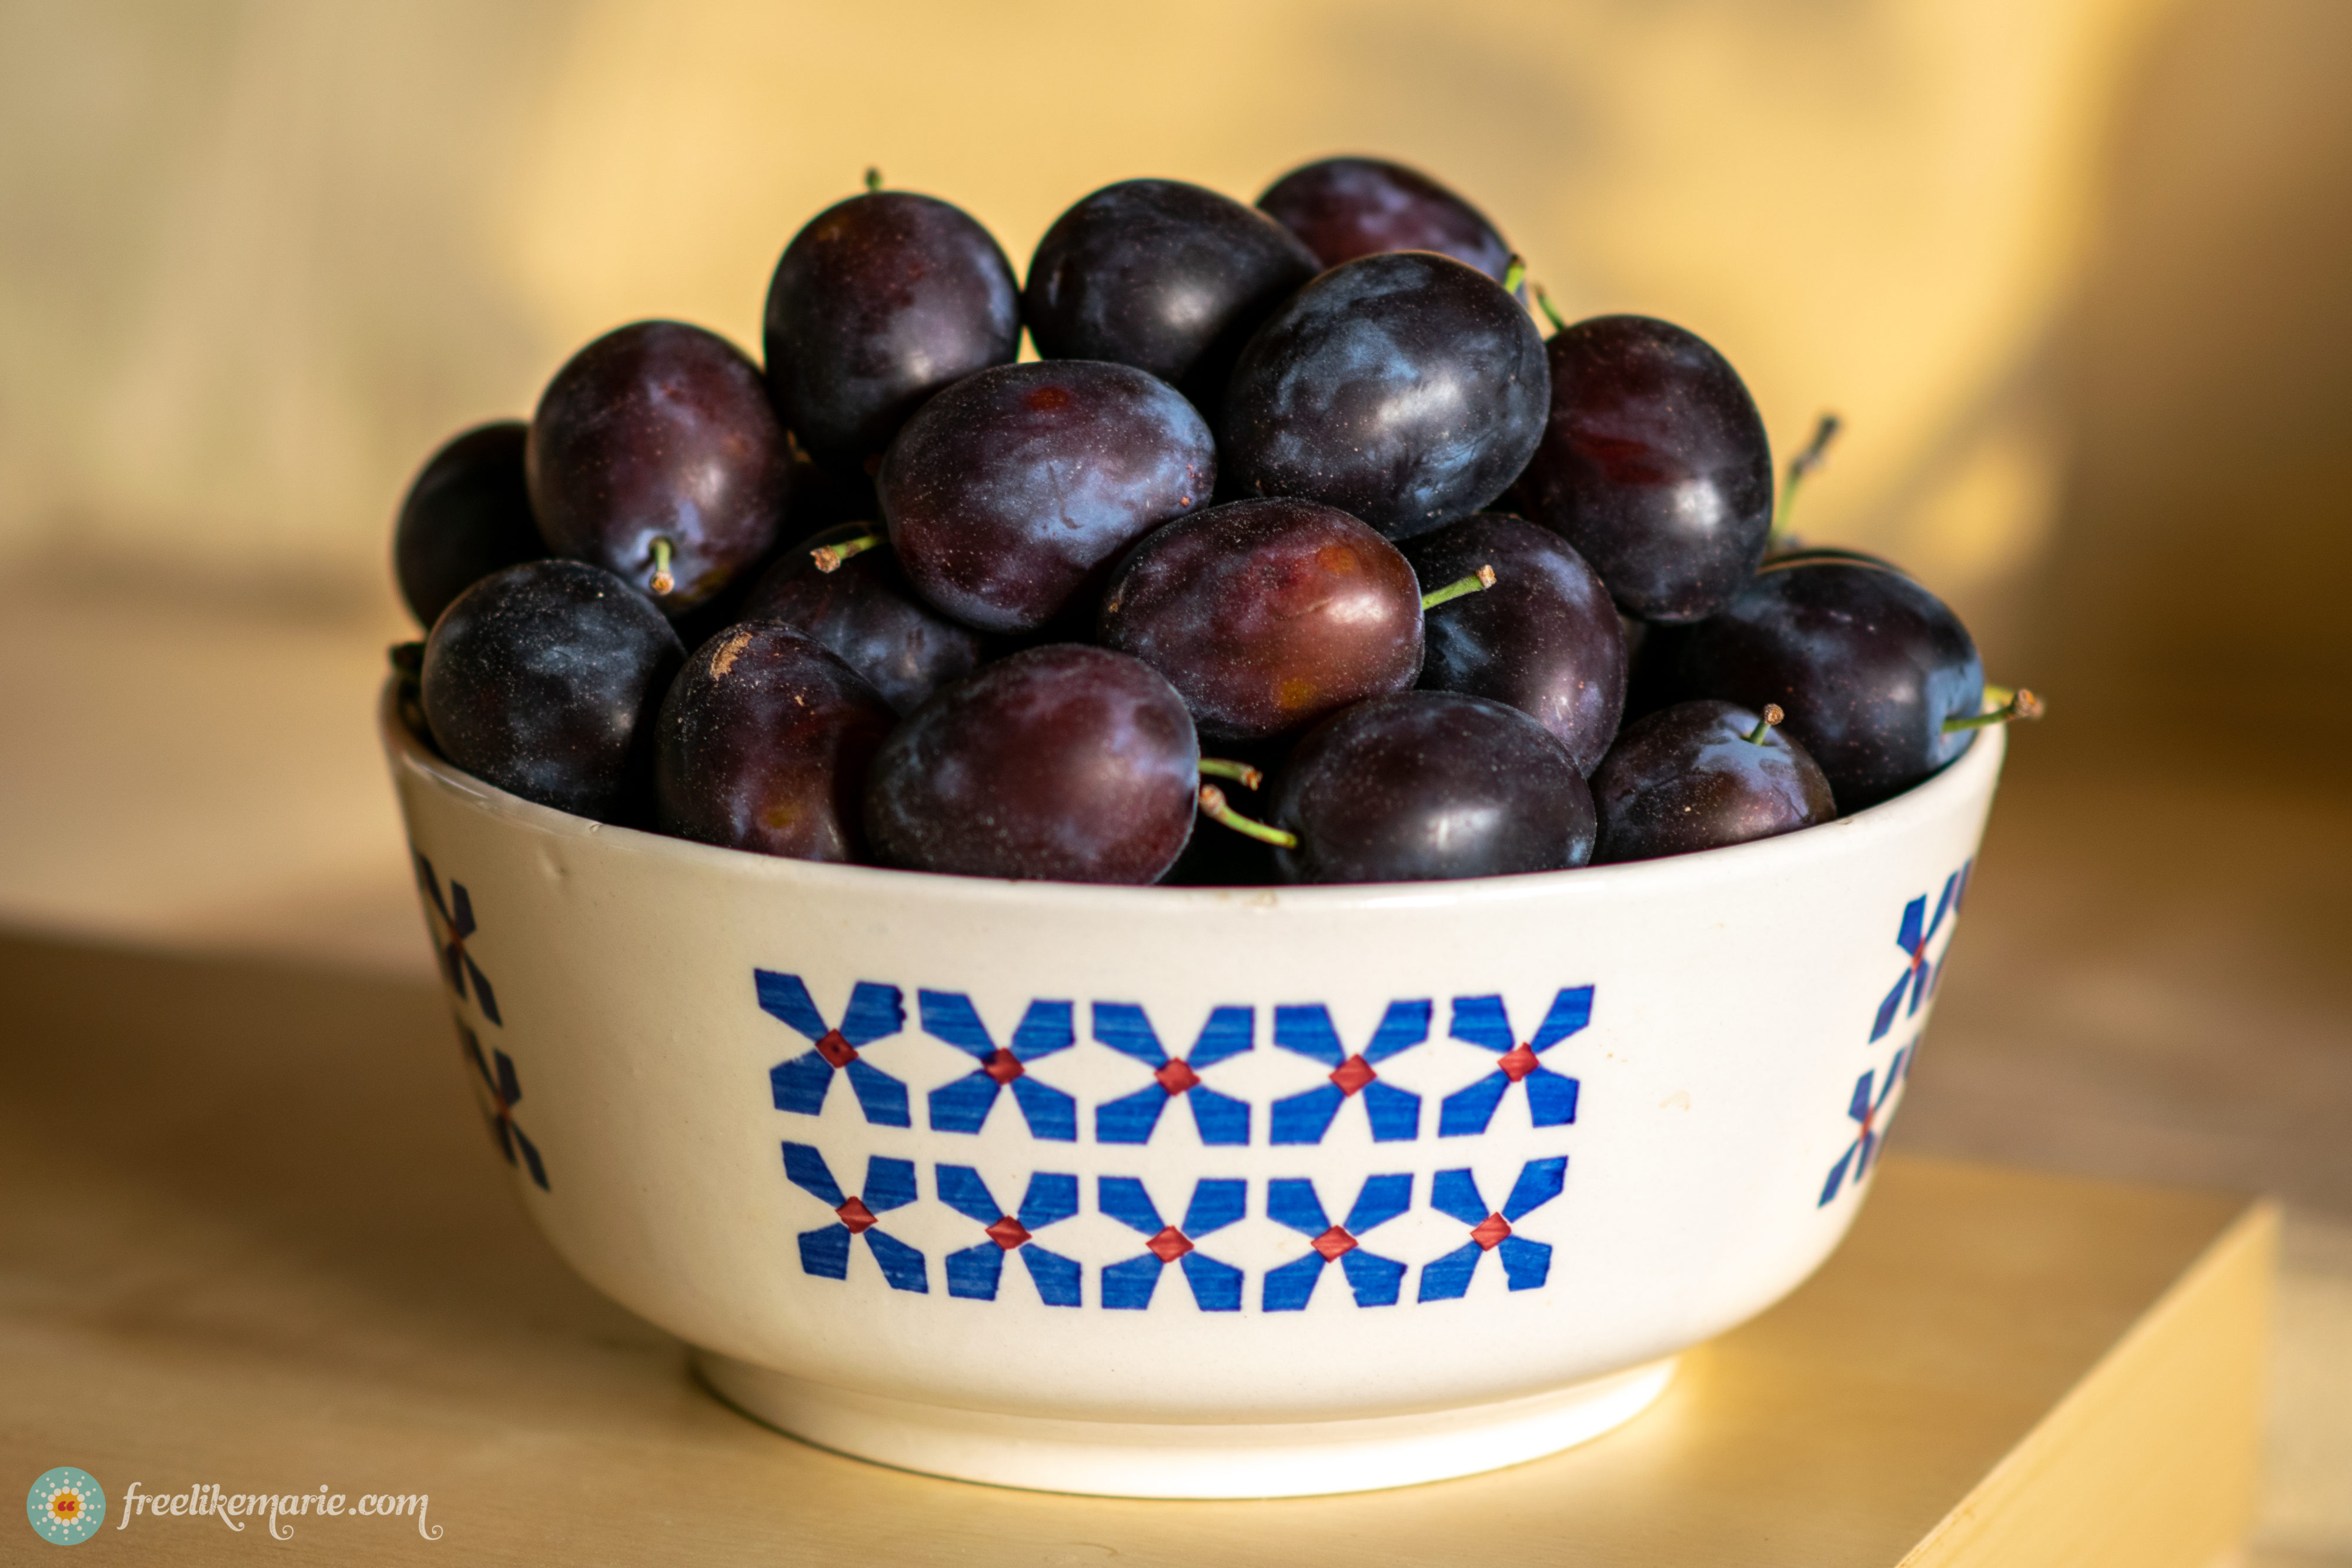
(1187, 1192)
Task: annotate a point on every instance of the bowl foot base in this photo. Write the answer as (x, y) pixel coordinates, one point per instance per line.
(1112, 1458)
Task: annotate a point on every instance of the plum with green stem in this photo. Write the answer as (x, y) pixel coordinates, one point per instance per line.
(1266, 615)
(1701, 775)
(843, 586)
(1419, 787)
(879, 302)
(656, 456)
(1546, 640)
(1882, 682)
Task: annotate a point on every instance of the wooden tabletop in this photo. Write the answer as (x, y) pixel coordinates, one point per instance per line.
(255, 1237)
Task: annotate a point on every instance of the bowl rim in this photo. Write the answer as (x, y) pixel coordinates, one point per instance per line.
(1975, 771)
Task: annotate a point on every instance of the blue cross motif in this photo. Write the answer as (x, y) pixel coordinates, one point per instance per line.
(962, 1106)
(1919, 976)
(1870, 1116)
(824, 1252)
(1291, 1202)
(1131, 1118)
(457, 966)
(1526, 1264)
(1552, 1096)
(503, 1089)
(874, 1012)
(974, 1273)
(1217, 1202)
(1394, 1114)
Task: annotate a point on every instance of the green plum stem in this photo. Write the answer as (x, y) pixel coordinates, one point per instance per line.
(828, 558)
(2020, 704)
(1213, 807)
(662, 581)
(1552, 311)
(1477, 581)
(873, 179)
(1801, 465)
(1764, 723)
(1515, 275)
(1241, 773)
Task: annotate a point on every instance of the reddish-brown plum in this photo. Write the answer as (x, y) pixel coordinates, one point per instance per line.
(1654, 463)
(1406, 388)
(1544, 639)
(656, 456)
(1010, 494)
(1700, 775)
(1061, 763)
(764, 743)
(467, 515)
(1163, 276)
(543, 679)
(1266, 615)
(880, 301)
(864, 612)
(1430, 786)
(1869, 666)
(1348, 208)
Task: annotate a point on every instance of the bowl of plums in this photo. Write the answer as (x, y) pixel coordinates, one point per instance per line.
(1295, 893)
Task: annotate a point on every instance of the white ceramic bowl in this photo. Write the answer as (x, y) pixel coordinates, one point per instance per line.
(1187, 1192)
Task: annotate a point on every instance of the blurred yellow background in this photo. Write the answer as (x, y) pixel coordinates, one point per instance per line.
(2074, 272)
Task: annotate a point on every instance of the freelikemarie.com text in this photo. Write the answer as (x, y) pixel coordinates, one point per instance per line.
(237, 1510)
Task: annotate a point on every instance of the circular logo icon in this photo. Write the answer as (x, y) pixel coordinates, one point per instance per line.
(66, 1506)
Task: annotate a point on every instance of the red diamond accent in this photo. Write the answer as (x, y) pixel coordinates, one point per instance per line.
(1518, 1062)
(1334, 1242)
(1490, 1231)
(1168, 1244)
(1009, 1233)
(1177, 1077)
(856, 1216)
(1004, 1066)
(836, 1050)
(1352, 1074)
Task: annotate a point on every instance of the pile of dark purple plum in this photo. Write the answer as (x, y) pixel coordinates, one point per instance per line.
(1298, 509)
